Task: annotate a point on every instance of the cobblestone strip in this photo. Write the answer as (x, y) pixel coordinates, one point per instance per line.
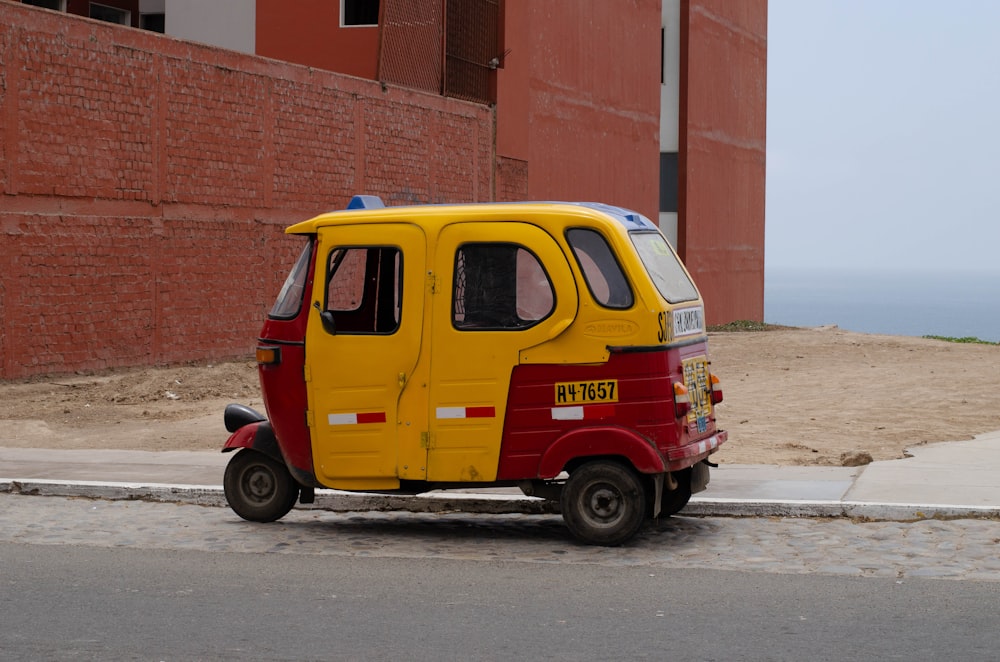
(956, 549)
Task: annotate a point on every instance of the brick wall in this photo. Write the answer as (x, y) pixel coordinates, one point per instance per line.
(145, 183)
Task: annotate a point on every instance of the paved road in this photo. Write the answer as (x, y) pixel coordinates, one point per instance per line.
(957, 549)
(74, 602)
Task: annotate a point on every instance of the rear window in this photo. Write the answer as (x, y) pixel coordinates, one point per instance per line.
(664, 267)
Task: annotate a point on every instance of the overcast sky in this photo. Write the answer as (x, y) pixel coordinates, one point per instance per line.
(883, 144)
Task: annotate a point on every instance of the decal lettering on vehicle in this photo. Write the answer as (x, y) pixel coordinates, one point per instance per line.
(663, 334)
(688, 321)
(574, 393)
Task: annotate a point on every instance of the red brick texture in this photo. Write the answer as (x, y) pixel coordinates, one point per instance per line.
(145, 183)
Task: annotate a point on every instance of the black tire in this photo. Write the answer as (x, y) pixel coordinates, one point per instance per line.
(259, 488)
(673, 501)
(604, 503)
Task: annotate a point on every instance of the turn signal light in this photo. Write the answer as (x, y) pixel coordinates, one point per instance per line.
(716, 390)
(268, 355)
(682, 403)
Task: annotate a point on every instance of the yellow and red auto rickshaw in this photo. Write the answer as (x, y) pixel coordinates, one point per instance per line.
(556, 347)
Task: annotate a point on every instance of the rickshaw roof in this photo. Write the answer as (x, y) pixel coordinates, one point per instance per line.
(551, 215)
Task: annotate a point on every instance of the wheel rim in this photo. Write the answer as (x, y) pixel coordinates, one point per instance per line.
(258, 484)
(603, 504)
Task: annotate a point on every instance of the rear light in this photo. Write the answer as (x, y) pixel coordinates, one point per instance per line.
(682, 403)
(716, 390)
(268, 355)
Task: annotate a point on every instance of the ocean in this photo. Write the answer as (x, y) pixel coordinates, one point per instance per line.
(906, 303)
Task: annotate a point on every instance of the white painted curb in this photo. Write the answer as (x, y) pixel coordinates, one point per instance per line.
(442, 502)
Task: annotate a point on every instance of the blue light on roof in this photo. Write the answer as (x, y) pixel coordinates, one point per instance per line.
(630, 219)
(366, 202)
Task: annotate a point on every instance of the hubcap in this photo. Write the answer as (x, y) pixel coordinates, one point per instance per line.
(604, 502)
(258, 484)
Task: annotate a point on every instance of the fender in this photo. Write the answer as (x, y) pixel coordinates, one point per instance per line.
(259, 436)
(603, 440)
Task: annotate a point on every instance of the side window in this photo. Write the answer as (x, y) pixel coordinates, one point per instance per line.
(289, 301)
(604, 276)
(499, 287)
(363, 289)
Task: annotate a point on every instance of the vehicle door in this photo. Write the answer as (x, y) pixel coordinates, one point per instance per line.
(363, 344)
(500, 289)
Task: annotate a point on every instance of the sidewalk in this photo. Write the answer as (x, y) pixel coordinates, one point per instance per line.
(949, 480)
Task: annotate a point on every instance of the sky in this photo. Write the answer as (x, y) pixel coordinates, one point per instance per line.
(883, 134)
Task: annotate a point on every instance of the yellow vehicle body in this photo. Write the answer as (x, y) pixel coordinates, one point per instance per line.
(435, 346)
(471, 370)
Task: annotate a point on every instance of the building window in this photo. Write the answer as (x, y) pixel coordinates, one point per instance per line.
(359, 12)
(668, 182)
(110, 14)
(153, 22)
(58, 5)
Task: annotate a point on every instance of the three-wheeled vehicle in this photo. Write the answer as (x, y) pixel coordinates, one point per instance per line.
(556, 347)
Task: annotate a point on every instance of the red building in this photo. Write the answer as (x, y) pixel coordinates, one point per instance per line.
(655, 106)
(576, 94)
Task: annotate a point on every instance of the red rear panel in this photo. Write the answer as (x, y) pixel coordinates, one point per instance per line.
(284, 388)
(547, 401)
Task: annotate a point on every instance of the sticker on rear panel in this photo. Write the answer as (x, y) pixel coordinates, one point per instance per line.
(575, 393)
(688, 322)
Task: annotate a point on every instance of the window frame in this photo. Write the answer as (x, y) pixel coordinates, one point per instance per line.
(330, 271)
(619, 271)
(344, 14)
(297, 278)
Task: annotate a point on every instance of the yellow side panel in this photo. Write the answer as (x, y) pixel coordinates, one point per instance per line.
(471, 370)
(358, 377)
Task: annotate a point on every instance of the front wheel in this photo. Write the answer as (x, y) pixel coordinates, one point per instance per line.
(603, 503)
(259, 488)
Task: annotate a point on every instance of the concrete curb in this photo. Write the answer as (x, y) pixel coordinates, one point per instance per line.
(443, 502)
(863, 510)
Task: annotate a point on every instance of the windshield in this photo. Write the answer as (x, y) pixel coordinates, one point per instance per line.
(289, 300)
(664, 267)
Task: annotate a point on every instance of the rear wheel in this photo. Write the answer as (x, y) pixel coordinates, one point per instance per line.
(673, 501)
(259, 488)
(603, 503)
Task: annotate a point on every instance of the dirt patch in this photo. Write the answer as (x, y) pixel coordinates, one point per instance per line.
(792, 397)
(824, 396)
(175, 408)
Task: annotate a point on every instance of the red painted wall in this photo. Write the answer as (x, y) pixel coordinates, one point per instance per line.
(309, 33)
(722, 153)
(145, 183)
(578, 100)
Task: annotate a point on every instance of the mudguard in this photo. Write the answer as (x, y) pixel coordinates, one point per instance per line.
(601, 441)
(259, 436)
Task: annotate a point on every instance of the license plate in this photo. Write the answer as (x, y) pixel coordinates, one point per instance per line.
(575, 393)
(699, 393)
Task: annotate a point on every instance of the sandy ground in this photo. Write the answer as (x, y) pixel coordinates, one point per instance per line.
(792, 397)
